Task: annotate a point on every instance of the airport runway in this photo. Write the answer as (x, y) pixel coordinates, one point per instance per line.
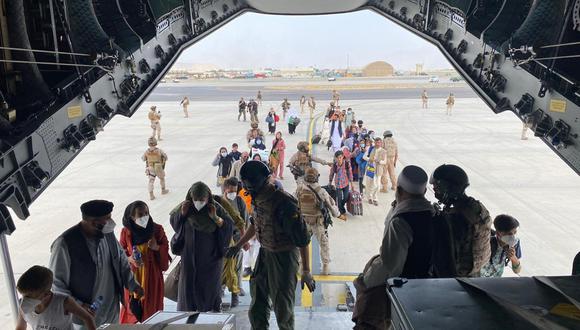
(521, 178)
(273, 96)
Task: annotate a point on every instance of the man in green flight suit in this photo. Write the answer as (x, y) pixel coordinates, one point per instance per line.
(282, 233)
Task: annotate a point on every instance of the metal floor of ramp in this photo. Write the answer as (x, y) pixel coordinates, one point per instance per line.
(326, 308)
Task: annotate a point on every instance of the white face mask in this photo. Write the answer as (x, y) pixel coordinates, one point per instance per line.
(109, 227)
(224, 154)
(29, 304)
(199, 204)
(231, 195)
(142, 221)
(510, 240)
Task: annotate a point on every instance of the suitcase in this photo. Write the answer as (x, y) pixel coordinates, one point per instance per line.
(354, 205)
(331, 190)
(316, 139)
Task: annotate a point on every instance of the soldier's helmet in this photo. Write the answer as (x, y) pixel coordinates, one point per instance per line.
(449, 182)
(254, 125)
(152, 141)
(302, 146)
(254, 175)
(311, 175)
(387, 133)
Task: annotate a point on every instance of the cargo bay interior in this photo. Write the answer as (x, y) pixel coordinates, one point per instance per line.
(101, 58)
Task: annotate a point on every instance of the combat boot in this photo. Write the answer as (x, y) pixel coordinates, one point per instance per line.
(235, 300)
(151, 196)
(325, 269)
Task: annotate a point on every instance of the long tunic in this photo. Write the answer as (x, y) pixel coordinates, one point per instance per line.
(201, 262)
(104, 284)
(150, 275)
(336, 136)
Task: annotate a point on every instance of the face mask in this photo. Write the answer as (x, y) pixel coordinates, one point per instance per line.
(142, 221)
(231, 195)
(199, 204)
(258, 142)
(362, 145)
(224, 154)
(29, 304)
(510, 240)
(108, 227)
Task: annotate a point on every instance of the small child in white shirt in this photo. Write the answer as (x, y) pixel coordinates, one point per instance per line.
(43, 309)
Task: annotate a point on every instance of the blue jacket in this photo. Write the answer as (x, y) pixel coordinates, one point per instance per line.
(362, 164)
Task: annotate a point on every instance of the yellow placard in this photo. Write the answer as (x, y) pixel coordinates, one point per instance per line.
(74, 112)
(558, 105)
(566, 310)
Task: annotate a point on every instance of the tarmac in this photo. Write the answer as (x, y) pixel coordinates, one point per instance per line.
(522, 178)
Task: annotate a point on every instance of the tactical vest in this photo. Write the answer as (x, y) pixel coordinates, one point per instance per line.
(153, 116)
(269, 230)
(303, 160)
(390, 146)
(471, 226)
(153, 157)
(309, 205)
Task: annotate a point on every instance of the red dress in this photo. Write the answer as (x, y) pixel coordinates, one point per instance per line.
(150, 275)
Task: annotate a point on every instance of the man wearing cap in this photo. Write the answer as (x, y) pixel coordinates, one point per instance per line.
(390, 146)
(405, 250)
(89, 263)
(155, 117)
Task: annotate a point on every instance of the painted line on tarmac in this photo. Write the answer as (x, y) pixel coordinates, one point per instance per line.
(306, 297)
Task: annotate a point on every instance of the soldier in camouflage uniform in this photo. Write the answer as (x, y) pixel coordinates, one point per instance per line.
(282, 233)
(302, 160)
(390, 146)
(310, 195)
(155, 160)
(466, 218)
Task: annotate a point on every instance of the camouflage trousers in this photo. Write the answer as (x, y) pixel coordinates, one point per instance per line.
(273, 280)
(317, 229)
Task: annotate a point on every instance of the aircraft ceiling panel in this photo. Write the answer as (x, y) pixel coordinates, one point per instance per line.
(307, 7)
(462, 5)
(161, 8)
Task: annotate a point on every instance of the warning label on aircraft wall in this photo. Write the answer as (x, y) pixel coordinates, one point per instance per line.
(558, 105)
(74, 112)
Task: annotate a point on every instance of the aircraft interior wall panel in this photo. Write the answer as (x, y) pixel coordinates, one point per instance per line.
(491, 64)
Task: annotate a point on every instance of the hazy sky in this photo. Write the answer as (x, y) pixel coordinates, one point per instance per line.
(259, 41)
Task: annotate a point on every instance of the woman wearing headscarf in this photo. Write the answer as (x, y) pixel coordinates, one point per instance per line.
(224, 162)
(146, 246)
(203, 230)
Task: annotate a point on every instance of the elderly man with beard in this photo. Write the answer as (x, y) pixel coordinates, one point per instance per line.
(89, 264)
(405, 251)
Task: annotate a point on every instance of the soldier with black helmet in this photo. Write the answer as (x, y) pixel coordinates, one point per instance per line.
(281, 231)
(467, 220)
